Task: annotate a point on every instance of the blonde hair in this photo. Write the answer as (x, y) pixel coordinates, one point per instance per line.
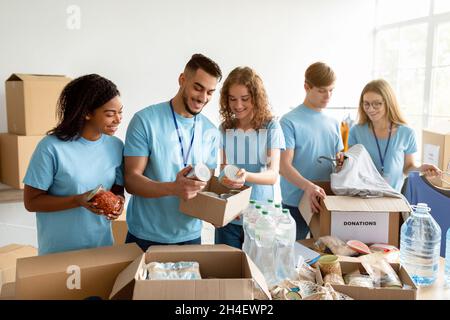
(382, 88)
(319, 74)
(247, 77)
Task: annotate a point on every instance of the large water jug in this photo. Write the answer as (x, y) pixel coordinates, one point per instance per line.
(420, 244)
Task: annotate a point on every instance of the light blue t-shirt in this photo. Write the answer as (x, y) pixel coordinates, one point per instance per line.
(403, 141)
(151, 133)
(310, 134)
(66, 168)
(248, 150)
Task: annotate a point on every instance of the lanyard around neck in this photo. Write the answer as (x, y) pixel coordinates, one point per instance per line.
(180, 137)
(382, 158)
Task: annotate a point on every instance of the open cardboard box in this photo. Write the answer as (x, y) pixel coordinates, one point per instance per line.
(372, 220)
(362, 293)
(77, 274)
(217, 211)
(227, 274)
(8, 259)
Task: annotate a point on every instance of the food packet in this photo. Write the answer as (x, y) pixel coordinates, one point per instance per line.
(380, 271)
(359, 280)
(333, 278)
(336, 246)
(306, 272)
(183, 270)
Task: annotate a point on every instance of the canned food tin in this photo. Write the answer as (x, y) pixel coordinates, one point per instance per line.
(98, 189)
(230, 171)
(211, 194)
(199, 172)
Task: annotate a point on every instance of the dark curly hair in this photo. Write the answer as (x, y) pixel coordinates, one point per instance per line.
(79, 98)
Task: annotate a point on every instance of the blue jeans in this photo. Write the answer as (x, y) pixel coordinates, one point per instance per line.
(302, 227)
(144, 244)
(231, 234)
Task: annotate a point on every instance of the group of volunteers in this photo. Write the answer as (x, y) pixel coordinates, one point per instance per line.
(164, 140)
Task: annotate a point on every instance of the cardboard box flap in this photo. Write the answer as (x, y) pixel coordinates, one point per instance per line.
(127, 276)
(86, 258)
(193, 248)
(441, 128)
(258, 276)
(384, 204)
(36, 77)
(8, 259)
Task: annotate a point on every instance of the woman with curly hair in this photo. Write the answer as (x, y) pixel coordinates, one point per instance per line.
(251, 140)
(73, 159)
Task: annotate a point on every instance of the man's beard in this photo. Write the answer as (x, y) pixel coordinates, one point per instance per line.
(186, 106)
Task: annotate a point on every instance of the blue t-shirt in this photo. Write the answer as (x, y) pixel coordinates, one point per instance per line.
(403, 141)
(248, 150)
(66, 168)
(151, 133)
(310, 134)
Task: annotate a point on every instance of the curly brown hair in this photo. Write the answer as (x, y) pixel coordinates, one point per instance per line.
(249, 78)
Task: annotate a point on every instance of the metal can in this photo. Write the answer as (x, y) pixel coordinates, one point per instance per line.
(199, 172)
(230, 171)
(98, 189)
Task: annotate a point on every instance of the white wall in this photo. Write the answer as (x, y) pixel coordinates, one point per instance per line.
(143, 45)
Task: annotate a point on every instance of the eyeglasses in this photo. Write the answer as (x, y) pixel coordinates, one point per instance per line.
(375, 105)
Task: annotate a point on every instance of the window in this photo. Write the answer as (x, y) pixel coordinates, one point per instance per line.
(412, 52)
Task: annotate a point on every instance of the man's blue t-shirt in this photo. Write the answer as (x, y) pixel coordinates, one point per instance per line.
(151, 133)
(310, 134)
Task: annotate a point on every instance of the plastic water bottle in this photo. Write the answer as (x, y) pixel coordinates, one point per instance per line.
(270, 207)
(285, 253)
(249, 219)
(420, 244)
(278, 212)
(447, 258)
(265, 242)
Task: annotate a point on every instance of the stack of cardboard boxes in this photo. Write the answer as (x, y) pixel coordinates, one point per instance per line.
(31, 111)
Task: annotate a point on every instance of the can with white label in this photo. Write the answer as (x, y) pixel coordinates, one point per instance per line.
(199, 172)
(230, 171)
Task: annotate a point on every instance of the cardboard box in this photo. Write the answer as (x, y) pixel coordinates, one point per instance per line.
(436, 150)
(217, 211)
(373, 220)
(362, 293)
(15, 155)
(120, 229)
(73, 274)
(8, 258)
(31, 102)
(227, 274)
(8, 291)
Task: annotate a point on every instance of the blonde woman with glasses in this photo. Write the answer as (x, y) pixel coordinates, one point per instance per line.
(384, 133)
